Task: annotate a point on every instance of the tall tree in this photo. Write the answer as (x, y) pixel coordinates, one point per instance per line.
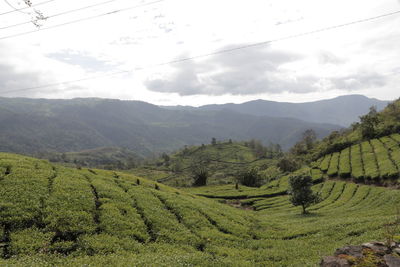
(301, 193)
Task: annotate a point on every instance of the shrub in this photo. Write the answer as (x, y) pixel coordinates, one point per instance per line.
(250, 177)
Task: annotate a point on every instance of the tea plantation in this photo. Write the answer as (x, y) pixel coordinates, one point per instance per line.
(56, 216)
(375, 161)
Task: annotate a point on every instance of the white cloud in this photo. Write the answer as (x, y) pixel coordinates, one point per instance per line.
(326, 64)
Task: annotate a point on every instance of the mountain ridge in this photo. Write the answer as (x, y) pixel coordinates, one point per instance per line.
(342, 110)
(40, 125)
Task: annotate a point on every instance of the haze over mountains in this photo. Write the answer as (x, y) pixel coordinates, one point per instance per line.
(343, 110)
(34, 126)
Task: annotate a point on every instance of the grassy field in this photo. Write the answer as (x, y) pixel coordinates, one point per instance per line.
(51, 215)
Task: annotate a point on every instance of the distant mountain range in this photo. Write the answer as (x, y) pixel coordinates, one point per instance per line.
(343, 110)
(37, 126)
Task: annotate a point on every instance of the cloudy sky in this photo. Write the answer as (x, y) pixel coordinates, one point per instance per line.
(130, 49)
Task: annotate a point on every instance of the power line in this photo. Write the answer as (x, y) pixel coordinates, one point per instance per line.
(21, 9)
(83, 19)
(59, 14)
(213, 53)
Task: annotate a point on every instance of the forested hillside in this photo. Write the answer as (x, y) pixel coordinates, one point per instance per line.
(38, 126)
(343, 110)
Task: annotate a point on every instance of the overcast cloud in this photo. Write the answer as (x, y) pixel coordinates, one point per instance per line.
(360, 59)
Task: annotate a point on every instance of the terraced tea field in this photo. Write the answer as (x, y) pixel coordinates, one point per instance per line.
(375, 161)
(51, 215)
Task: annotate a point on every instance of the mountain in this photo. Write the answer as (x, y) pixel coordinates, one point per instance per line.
(33, 126)
(343, 110)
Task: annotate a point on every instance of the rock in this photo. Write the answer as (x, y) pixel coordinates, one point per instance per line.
(354, 251)
(397, 250)
(392, 261)
(377, 247)
(331, 261)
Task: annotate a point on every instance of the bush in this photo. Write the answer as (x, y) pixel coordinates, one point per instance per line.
(250, 177)
(288, 164)
(200, 175)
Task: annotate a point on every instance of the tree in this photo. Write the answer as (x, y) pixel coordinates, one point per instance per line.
(309, 138)
(199, 174)
(301, 193)
(288, 164)
(213, 141)
(166, 159)
(250, 177)
(369, 123)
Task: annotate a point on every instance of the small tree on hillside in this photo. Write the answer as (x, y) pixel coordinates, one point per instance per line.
(369, 123)
(301, 193)
(213, 141)
(309, 138)
(287, 164)
(250, 177)
(199, 175)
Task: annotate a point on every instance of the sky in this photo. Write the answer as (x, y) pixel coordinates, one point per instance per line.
(141, 50)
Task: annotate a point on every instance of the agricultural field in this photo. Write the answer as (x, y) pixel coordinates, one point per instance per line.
(223, 161)
(376, 161)
(52, 215)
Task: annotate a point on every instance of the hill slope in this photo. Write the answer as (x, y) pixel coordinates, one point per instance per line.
(51, 215)
(33, 126)
(222, 161)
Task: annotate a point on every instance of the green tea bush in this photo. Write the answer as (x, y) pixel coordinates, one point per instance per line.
(106, 244)
(344, 163)
(22, 193)
(357, 167)
(386, 167)
(334, 164)
(316, 174)
(71, 206)
(163, 225)
(29, 241)
(117, 216)
(325, 163)
(370, 166)
(394, 149)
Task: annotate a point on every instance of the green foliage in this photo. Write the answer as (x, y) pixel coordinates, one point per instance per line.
(376, 161)
(369, 161)
(333, 164)
(386, 166)
(133, 224)
(250, 177)
(369, 123)
(325, 163)
(301, 193)
(30, 241)
(357, 163)
(199, 174)
(221, 162)
(288, 164)
(344, 164)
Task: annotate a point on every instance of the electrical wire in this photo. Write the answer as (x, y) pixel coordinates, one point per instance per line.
(212, 53)
(59, 14)
(24, 8)
(82, 19)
